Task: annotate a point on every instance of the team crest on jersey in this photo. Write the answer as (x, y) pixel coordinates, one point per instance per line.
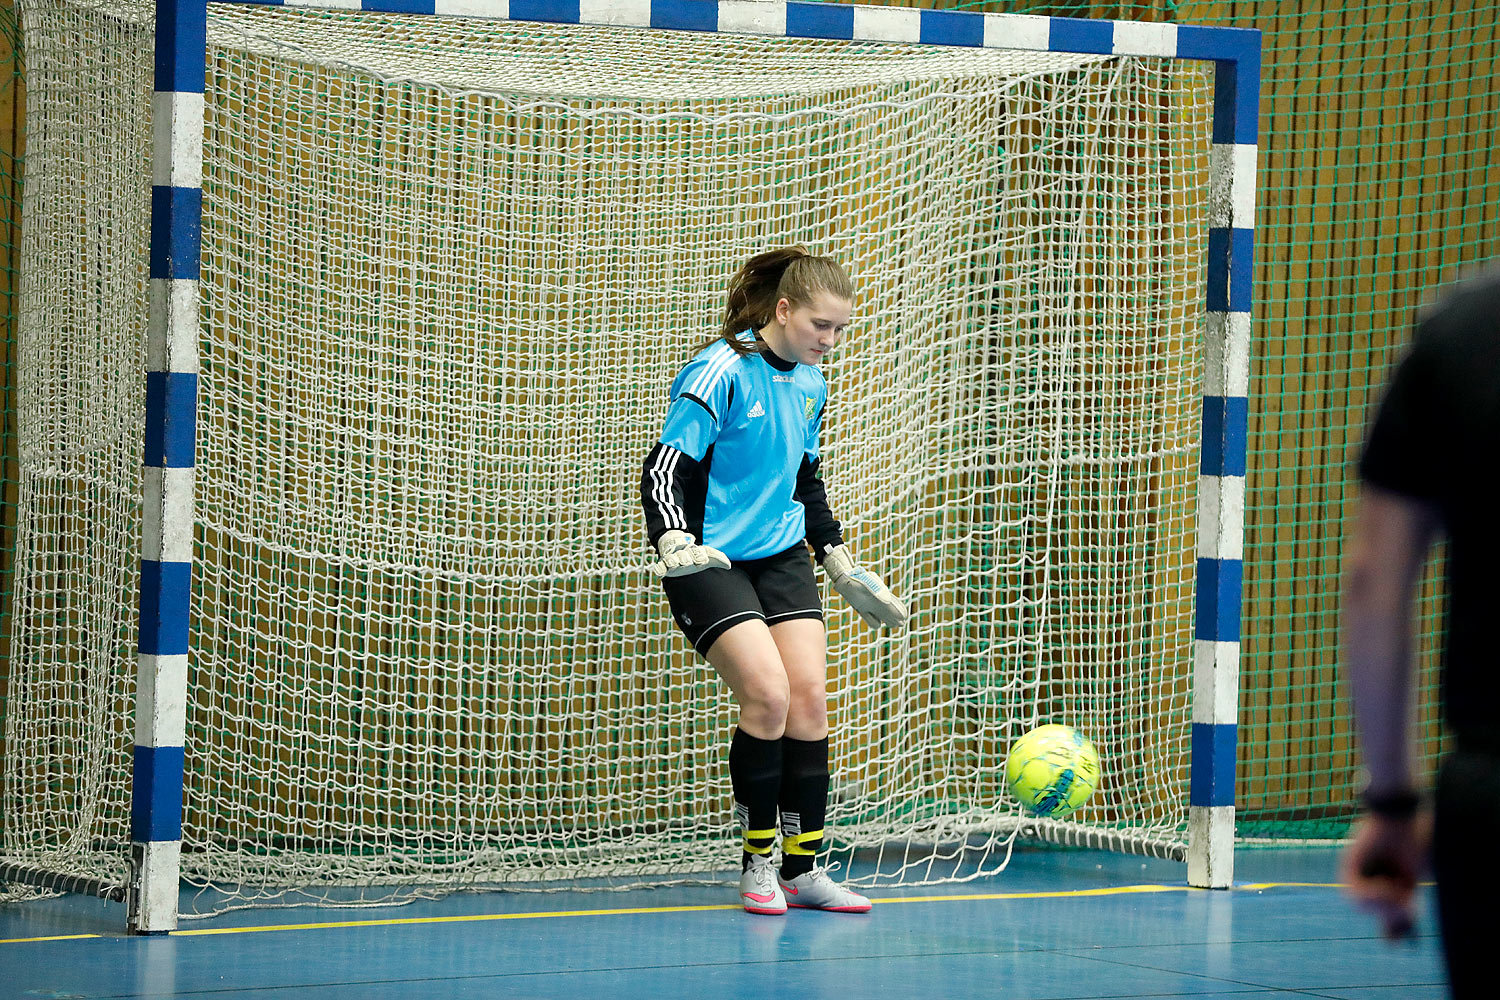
(809, 406)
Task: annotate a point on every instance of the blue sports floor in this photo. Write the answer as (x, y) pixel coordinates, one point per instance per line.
(1057, 924)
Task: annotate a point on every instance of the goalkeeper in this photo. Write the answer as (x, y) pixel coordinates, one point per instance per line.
(733, 498)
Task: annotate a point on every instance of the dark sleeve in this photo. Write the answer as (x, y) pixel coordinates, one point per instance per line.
(1405, 447)
(674, 490)
(822, 529)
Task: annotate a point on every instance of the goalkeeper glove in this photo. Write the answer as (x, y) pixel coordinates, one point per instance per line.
(681, 555)
(863, 590)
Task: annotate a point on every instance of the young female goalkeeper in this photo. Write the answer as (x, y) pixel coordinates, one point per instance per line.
(733, 499)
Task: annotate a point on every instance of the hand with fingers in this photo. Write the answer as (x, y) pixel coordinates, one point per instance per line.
(864, 590)
(1381, 867)
(681, 555)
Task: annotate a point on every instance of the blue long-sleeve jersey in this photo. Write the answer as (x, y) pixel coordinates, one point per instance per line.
(737, 463)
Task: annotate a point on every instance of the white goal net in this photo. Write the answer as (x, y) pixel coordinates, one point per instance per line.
(449, 270)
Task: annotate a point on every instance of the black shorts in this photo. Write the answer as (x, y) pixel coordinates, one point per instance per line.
(774, 589)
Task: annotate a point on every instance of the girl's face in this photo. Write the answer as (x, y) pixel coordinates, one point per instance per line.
(815, 329)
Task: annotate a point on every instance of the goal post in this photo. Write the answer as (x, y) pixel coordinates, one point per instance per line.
(1046, 452)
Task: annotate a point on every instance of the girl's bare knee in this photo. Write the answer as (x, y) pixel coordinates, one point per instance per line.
(763, 708)
(807, 714)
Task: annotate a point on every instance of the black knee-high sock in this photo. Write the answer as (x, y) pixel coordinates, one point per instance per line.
(755, 775)
(804, 803)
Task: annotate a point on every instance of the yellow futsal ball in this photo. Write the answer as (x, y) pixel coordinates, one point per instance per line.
(1052, 770)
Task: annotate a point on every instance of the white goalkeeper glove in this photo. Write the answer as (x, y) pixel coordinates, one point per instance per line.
(681, 555)
(863, 590)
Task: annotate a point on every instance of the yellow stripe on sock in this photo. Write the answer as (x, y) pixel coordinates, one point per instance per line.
(759, 841)
(797, 843)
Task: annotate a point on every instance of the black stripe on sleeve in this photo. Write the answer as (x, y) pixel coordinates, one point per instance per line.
(711, 413)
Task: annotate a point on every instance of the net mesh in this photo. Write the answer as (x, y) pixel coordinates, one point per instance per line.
(449, 270)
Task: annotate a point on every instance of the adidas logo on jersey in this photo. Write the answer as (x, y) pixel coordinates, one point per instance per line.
(757, 410)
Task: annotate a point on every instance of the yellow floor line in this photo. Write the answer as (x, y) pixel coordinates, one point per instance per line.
(549, 914)
(460, 919)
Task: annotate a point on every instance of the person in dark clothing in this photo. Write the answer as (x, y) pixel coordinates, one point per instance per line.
(1428, 472)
